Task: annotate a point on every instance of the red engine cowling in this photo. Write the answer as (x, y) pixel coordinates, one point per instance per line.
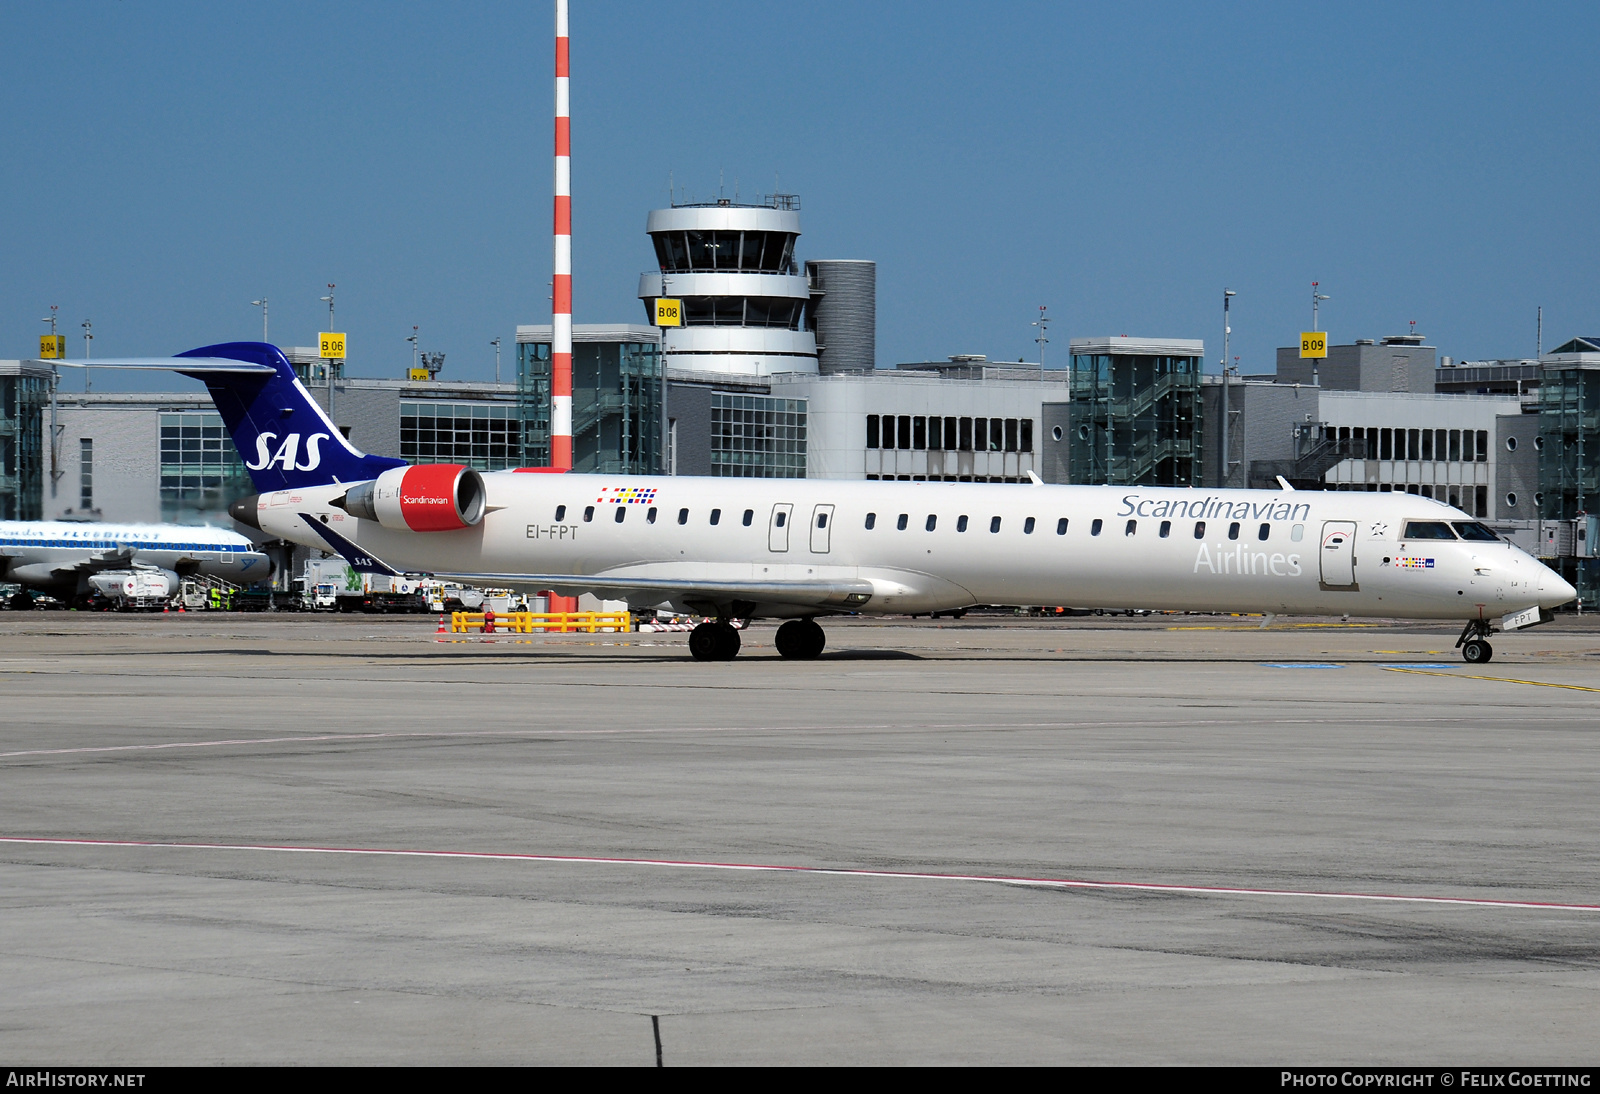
(430, 497)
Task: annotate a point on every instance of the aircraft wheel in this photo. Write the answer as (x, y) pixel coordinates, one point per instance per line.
(801, 639)
(1477, 652)
(714, 642)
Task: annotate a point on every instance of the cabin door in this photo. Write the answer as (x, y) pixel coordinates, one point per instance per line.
(778, 527)
(1339, 553)
(821, 529)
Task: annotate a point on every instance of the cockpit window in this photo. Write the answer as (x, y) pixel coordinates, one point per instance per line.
(1471, 529)
(1428, 529)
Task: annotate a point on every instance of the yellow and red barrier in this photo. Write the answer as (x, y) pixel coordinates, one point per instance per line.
(530, 622)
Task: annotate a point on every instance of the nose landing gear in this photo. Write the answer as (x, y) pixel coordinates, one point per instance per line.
(801, 639)
(1475, 650)
(717, 641)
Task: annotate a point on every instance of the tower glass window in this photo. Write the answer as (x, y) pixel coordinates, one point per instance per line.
(487, 436)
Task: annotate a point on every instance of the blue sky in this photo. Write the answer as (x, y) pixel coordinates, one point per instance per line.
(1119, 163)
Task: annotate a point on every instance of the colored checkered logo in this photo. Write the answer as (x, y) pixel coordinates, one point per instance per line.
(626, 495)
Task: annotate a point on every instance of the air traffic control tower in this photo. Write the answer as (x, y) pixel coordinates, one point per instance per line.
(744, 297)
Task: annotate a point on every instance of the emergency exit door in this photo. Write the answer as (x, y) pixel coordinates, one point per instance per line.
(1339, 553)
(778, 527)
(821, 529)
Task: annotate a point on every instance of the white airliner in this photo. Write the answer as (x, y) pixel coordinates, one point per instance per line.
(73, 558)
(798, 549)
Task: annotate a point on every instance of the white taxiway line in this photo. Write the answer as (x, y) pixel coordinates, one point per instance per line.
(821, 871)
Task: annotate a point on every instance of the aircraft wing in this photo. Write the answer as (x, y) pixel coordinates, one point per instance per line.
(116, 558)
(838, 595)
(195, 365)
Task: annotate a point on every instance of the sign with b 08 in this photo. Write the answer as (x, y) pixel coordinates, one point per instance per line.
(669, 313)
(1313, 343)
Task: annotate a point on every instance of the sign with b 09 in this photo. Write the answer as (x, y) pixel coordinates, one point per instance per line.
(1314, 343)
(669, 313)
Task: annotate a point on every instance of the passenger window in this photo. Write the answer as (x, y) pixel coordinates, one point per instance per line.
(683, 516)
(561, 513)
(872, 521)
(1233, 530)
(1297, 533)
(716, 516)
(1166, 529)
(622, 512)
(1094, 529)
(961, 523)
(1427, 529)
(778, 518)
(1199, 529)
(904, 520)
(588, 513)
(749, 515)
(1263, 532)
(1061, 526)
(650, 515)
(1027, 527)
(822, 520)
(1130, 528)
(994, 524)
(931, 522)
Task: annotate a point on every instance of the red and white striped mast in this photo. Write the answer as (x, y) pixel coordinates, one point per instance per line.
(561, 317)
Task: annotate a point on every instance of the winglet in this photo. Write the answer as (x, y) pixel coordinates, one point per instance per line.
(1283, 482)
(359, 560)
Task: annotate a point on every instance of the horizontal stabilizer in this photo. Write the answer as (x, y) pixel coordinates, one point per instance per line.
(360, 561)
(170, 364)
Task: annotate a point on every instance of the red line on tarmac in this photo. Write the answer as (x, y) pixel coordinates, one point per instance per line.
(822, 871)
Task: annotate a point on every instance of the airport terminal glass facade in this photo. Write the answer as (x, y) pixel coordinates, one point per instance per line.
(200, 470)
(486, 436)
(1136, 419)
(758, 436)
(1569, 459)
(24, 396)
(616, 406)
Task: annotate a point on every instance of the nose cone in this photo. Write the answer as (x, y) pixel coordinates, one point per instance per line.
(1554, 590)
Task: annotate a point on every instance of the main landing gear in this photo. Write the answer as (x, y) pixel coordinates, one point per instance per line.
(717, 641)
(798, 639)
(801, 639)
(1472, 643)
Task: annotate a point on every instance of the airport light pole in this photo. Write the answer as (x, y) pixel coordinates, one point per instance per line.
(668, 464)
(1316, 298)
(1043, 323)
(496, 345)
(88, 337)
(413, 341)
(1227, 405)
(262, 304)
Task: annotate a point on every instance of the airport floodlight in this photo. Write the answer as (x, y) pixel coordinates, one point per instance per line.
(496, 344)
(328, 300)
(262, 304)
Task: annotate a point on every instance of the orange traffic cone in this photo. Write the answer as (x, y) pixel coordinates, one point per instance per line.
(443, 627)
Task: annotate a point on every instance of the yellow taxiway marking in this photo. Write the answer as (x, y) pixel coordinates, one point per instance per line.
(1496, 679)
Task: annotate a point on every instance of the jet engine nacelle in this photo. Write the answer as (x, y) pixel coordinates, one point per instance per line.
(429, 497)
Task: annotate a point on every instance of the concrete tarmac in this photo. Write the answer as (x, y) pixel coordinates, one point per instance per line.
(203, 796)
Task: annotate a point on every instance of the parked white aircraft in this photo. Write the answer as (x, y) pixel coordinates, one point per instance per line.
(72, 558)
(802, 548)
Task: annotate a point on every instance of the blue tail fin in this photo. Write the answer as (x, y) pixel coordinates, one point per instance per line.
(283, 437)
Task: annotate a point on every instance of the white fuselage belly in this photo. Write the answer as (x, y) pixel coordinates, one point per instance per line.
(918, 570)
